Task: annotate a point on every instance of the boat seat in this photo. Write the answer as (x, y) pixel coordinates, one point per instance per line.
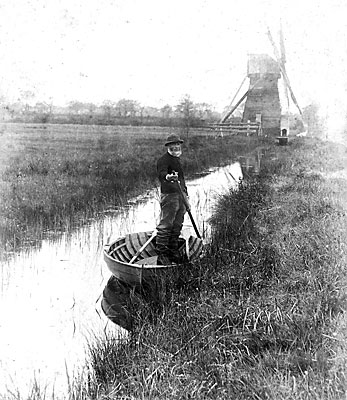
(148, 261)
(135, 241)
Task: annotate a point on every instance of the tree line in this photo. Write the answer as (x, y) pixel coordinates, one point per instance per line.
(124, 111)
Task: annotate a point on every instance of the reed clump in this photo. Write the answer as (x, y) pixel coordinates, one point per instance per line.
(261, 316)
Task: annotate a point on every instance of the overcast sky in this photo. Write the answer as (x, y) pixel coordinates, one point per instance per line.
(155, 51)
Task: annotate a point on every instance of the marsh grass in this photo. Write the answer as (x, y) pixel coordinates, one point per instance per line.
(55, 177)
(261, 316)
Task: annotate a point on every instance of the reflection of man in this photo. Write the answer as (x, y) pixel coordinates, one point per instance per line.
(169, 172)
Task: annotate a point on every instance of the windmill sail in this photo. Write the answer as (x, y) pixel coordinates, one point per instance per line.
(283, 50)
(283, 70)
(284, 60)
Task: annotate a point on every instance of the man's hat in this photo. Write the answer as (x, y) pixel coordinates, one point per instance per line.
(173, 139)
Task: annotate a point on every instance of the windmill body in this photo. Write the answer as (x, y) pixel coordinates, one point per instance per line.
(263, 100)
(262, 109)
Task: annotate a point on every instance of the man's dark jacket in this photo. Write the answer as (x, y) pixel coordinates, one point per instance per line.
(166, 165)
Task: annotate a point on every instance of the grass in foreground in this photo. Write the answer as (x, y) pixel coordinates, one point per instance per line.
(262, 315)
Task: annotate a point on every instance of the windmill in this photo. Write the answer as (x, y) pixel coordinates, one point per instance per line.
(262, 104)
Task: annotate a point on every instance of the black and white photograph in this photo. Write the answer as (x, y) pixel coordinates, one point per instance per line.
(173, 200)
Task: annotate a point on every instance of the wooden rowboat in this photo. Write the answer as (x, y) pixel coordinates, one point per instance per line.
(119, 257)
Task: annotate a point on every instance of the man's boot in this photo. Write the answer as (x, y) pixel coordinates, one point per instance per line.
(162, 248)
(175, 255)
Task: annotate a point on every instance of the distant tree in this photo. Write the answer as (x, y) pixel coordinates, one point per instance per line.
(142, 108)
(41, 108)
(204, 111)
(135, 108)
(186, 109)
(43, 111)
(76, 107)
(27, 96)
(296, 123)
(91, 107)
(108, 107)
(51, 106)
(151, 112)
(16, 109)
(127, 108)
(310, 116)
(166, 111)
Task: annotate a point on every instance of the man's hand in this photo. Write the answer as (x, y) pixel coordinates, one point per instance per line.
(173, 177)
(186, 201)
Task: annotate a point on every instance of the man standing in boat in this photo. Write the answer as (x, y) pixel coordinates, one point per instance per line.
(170, 172)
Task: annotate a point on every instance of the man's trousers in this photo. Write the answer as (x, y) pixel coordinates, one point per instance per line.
(171, 222)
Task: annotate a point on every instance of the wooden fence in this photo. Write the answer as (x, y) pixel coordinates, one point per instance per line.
(241, 128)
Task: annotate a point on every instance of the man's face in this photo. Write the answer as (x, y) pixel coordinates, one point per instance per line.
(175, 149)
(175, 146)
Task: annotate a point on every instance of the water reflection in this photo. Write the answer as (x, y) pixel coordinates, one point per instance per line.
(48, 296)
(250, 164)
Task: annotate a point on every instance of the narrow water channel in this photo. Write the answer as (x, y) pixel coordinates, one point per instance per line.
(49, 296)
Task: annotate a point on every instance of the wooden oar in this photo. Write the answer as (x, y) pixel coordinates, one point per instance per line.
(140, 250)
(188, 209)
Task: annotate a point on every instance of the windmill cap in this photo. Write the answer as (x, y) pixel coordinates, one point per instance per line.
(173, 139)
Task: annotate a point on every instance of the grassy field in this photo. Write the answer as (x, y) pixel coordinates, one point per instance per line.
(56, 177)
(262, 316)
